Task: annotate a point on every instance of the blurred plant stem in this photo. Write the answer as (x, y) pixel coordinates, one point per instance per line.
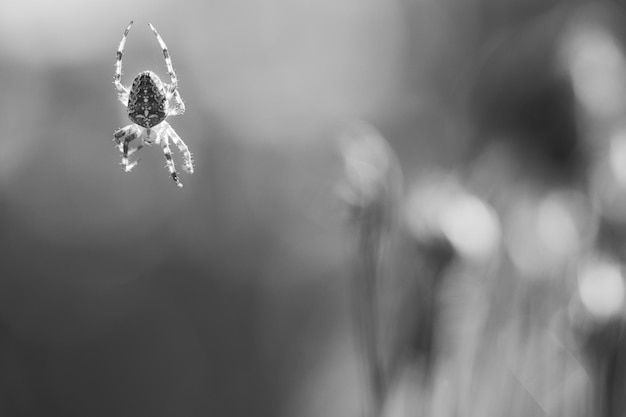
(604, 349)
(372, 239)
(371, 189)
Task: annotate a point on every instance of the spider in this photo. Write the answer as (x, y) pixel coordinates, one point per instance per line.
(148, 105)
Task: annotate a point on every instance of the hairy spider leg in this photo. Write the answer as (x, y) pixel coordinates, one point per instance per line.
(179, 106)
(119, 134)
(123, 137)
(168, 63)
(170, 163)
(182, 147)
(125, 152)
(122, 90)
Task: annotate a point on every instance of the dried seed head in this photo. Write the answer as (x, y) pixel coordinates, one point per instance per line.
(372, 174)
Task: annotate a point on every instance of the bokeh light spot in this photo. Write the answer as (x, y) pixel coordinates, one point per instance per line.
(472, 227)
(601, 288)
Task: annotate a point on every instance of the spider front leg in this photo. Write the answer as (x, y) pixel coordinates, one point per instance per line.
(123, 137)
(168, 160)
(168, 61)
(179, 105)
(122, 90)
(182, 147)
(122, 96)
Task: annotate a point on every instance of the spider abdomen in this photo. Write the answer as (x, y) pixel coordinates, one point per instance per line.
(147, 101)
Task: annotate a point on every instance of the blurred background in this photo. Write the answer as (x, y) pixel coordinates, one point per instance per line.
(400, 208)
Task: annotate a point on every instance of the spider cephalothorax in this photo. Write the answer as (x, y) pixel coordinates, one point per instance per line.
(148, 105)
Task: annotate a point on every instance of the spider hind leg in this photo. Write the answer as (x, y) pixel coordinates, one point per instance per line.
(122, 138)
(169, 162)
(182, 147)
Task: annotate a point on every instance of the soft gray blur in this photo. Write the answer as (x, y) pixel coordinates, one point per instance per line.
(122, 295)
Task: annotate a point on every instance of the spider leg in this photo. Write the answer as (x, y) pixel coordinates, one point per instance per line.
(128, 166)
(123, 97)
(182, 147)
(168, 159)
(168, 62)
(122, 90)
(120, 134)
(179, 106)
(123, 137)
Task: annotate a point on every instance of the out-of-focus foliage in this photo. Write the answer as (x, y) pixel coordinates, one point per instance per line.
(500, 289)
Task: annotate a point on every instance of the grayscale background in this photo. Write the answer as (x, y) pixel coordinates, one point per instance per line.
(489, 163)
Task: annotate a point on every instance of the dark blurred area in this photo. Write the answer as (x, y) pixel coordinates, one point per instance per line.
(400, 208)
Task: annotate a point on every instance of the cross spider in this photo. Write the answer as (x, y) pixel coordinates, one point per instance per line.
(148, 105)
